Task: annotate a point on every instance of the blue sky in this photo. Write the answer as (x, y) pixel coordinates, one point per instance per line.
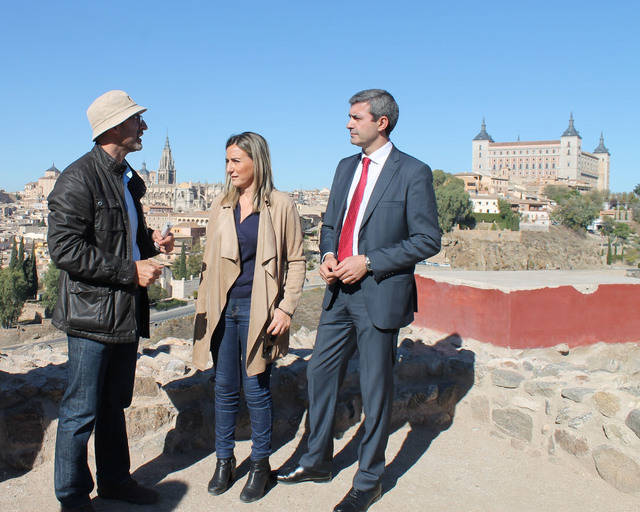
(206, 70)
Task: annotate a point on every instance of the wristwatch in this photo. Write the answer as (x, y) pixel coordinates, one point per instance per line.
(367, 263)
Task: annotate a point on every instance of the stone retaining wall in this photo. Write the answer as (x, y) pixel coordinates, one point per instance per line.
(581, 404)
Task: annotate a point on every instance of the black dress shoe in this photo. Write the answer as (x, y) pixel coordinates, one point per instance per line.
(129, 491)
(223, 476)
(359, 501)
(259, 476)
(302, 474)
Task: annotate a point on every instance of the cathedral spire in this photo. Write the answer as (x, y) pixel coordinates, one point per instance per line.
(166, 168)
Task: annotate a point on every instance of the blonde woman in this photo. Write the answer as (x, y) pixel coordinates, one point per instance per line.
(252, 275)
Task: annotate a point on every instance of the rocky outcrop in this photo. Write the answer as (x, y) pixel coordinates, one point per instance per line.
(560, 248)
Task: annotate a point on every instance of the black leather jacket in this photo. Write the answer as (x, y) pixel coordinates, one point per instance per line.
(89, 241)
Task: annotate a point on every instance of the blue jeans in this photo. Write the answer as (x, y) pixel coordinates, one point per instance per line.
(229, 354)
(100, 385)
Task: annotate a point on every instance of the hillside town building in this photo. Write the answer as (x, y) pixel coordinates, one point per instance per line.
(39, 190)
(544, 161)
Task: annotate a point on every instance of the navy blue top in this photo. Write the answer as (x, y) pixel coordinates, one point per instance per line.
(247, 232)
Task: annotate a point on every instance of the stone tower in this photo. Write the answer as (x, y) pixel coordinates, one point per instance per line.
(570, 142)
(166, 168)
(604, 158)
(480, 148)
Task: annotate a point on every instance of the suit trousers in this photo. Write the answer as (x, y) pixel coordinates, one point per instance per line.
(343, 327)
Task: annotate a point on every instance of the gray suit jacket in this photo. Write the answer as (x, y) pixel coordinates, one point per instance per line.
(399, 228)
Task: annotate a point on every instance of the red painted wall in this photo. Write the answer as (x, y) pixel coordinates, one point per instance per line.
(542, 317)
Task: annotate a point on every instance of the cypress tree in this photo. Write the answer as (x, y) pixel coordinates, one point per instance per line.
(13, 262)
(31, 274)
(21, 252)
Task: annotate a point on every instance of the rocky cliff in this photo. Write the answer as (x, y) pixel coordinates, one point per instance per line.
(560, 248)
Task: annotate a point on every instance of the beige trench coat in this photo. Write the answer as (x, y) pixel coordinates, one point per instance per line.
(277, 280)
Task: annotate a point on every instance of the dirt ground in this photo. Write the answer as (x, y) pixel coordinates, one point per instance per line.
(464, 469)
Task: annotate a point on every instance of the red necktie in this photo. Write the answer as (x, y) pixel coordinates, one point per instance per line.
(345, 246)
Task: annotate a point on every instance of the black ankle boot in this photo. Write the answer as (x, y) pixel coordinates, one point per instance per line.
(223, 476)
(259, 475)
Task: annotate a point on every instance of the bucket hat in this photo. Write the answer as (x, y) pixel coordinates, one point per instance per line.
(111, 109)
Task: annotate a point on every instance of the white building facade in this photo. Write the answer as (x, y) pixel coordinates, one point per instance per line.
(544, 161)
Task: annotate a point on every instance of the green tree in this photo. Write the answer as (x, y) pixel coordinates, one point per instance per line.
(559, 193)
(508, 219)
(606, 228)
(453, 202)
(439, 177)
(194, 260)
(51, 287)
(21, 252)
(576, 211)
(12, 292)
(179, 267)
(156, 293)
(13, 261)
(636, 190)
(621, 232)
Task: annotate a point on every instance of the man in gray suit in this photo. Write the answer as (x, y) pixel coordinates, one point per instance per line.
(380, 221)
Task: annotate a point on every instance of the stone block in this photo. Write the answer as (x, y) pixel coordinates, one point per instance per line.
(563, 415)
(574, 445)
(606, 403)
(578, 422)
(576, 394)
(524, 402)
(542, 387)
(514, 422)
(145, 385)
(506, 378)
(617, 469)
(615, 432)
(21, 434)
(555, 369)
(633, 421)
(146, 419)
(480, 408)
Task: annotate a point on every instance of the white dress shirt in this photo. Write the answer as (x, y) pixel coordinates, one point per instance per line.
(132, 214)
(378, 159)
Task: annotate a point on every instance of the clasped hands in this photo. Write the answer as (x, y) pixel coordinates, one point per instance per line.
(349, 271)
(148, 271)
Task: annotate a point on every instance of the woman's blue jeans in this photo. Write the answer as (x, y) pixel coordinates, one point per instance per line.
(230, 352)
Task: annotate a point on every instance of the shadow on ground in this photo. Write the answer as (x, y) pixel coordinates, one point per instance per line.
(429, 381)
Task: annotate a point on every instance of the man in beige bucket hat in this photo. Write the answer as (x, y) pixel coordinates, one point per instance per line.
(99, 240)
